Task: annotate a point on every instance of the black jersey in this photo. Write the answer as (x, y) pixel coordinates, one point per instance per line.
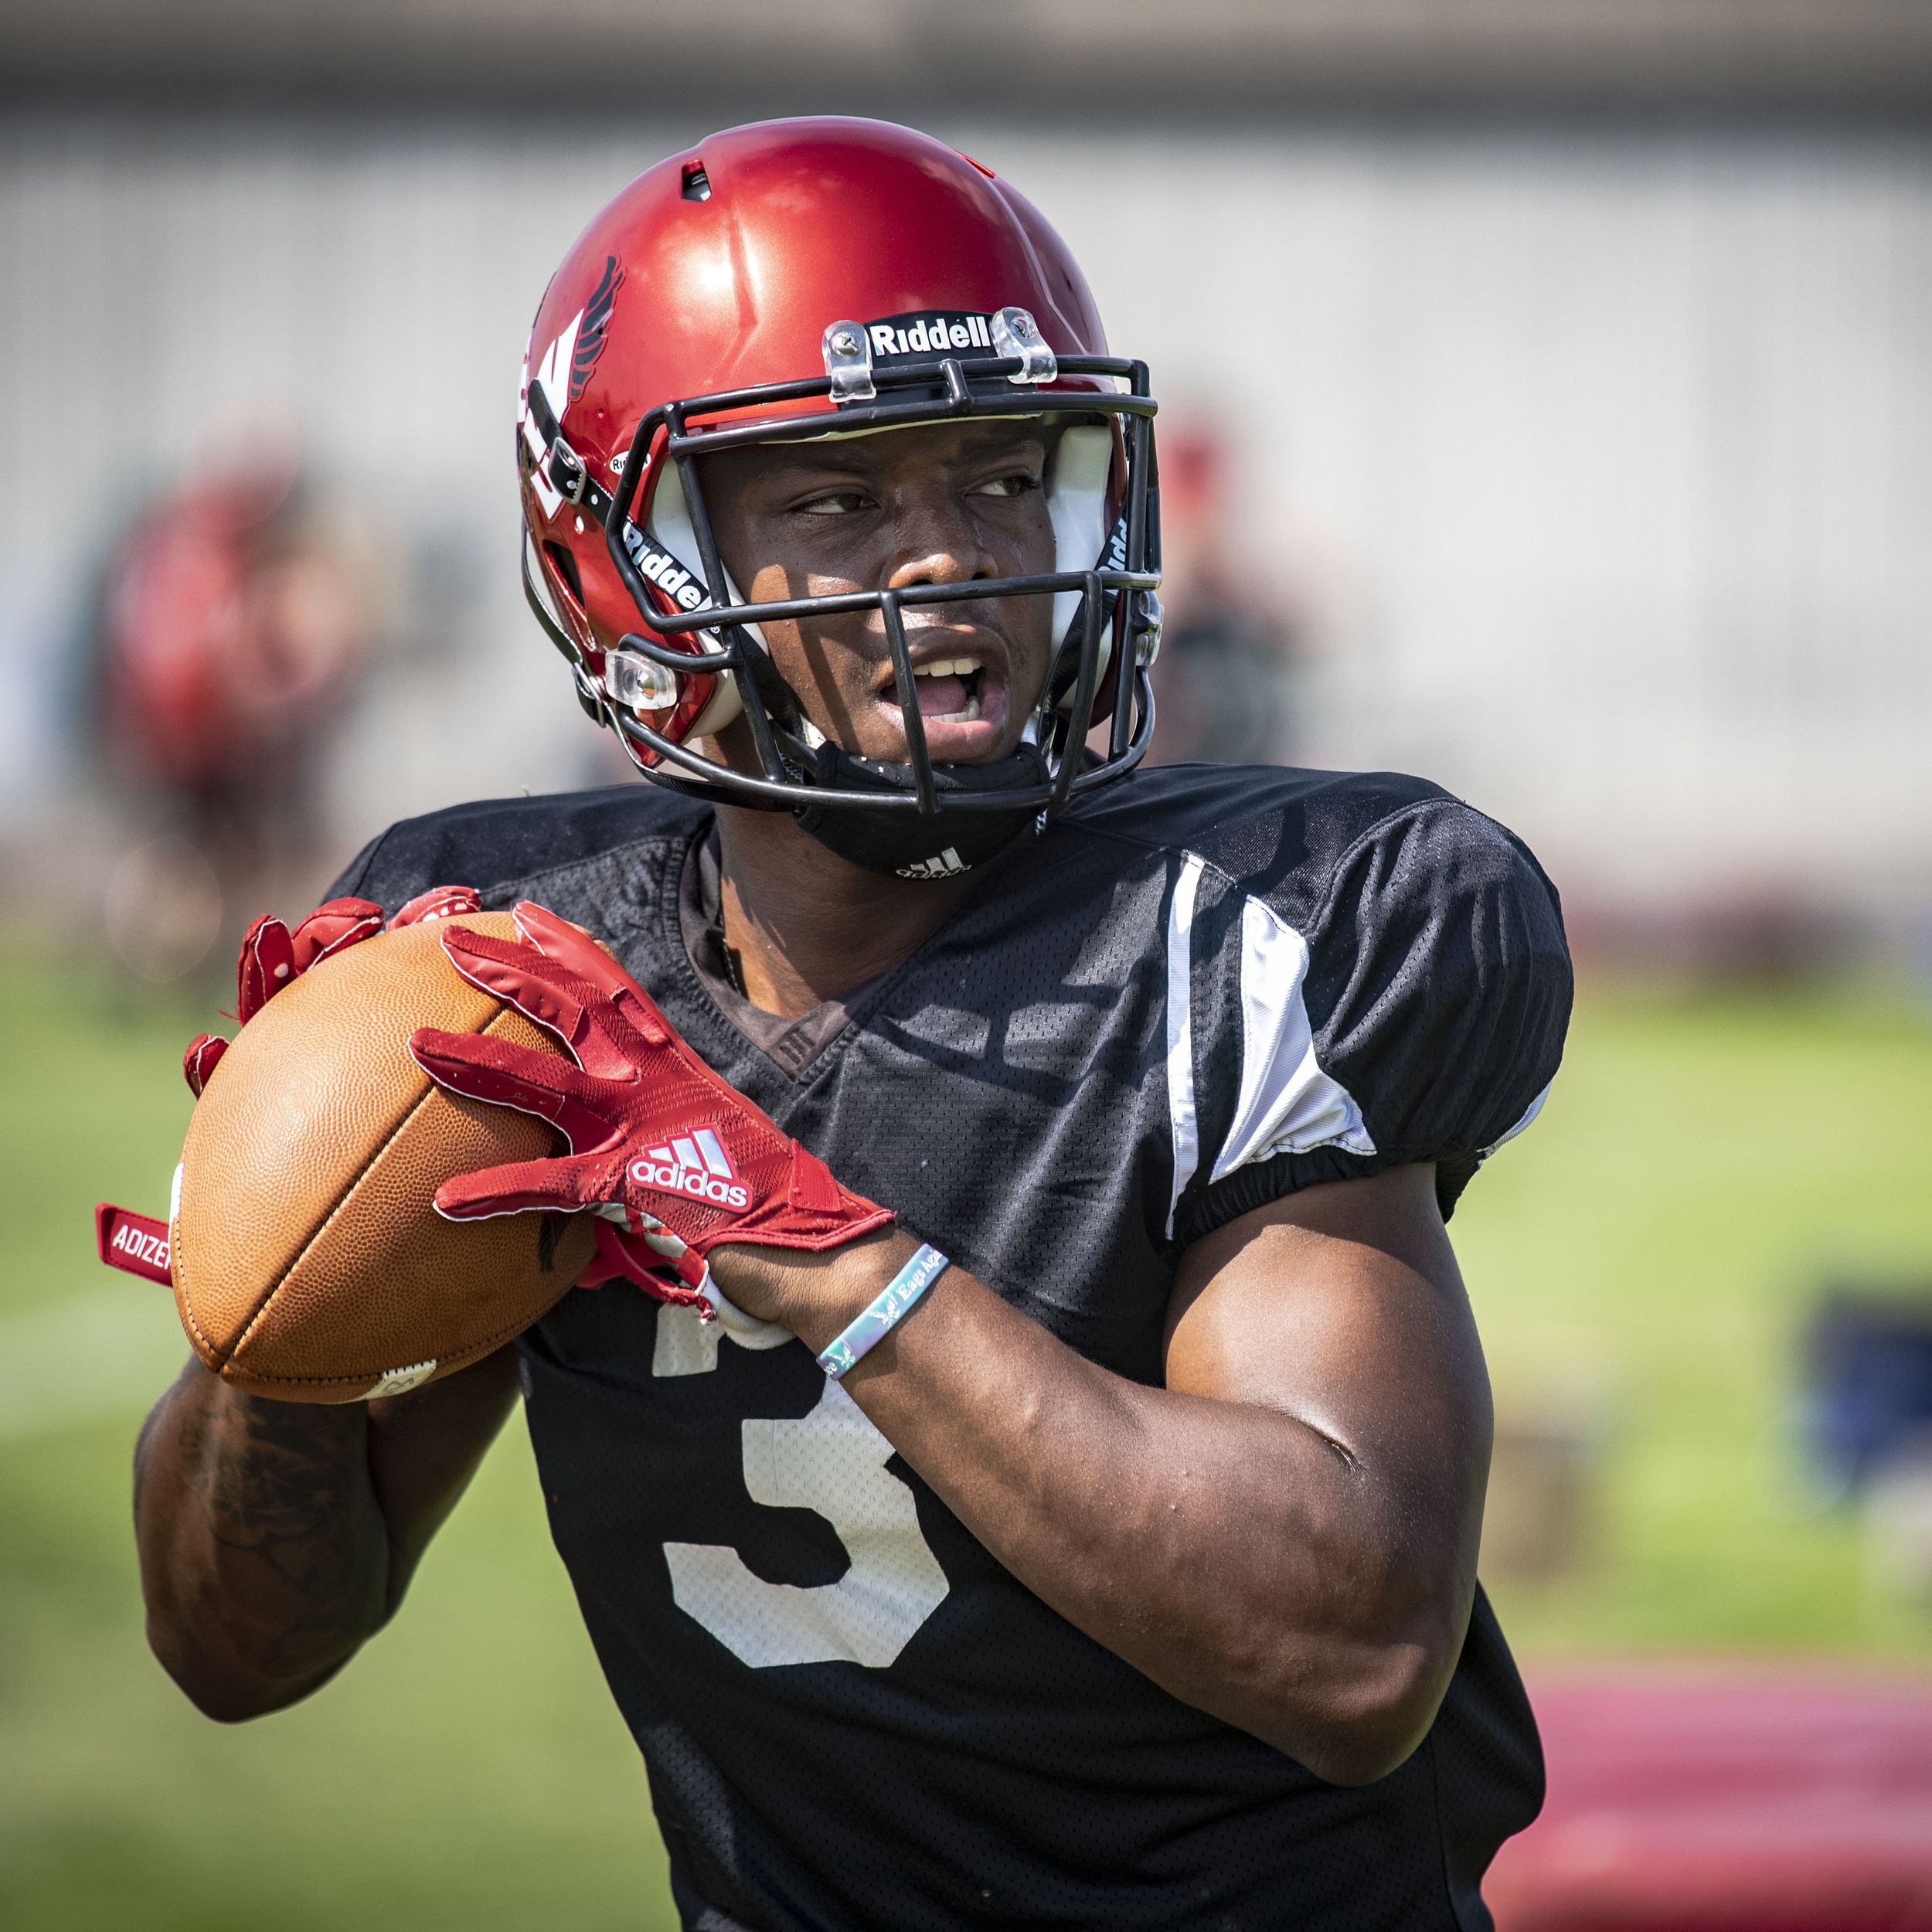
(1197, 991)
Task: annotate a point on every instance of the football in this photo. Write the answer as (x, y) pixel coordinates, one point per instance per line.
(309, 1260)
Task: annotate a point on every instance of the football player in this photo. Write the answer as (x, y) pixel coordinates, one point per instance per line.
(1036, 1477)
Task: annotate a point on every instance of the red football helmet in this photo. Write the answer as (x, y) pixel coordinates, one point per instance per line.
(796, 279)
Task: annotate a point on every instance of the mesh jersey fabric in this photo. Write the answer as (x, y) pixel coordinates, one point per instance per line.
(1196, 991)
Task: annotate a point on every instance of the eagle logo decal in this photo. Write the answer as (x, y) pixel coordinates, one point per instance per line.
(591, 330)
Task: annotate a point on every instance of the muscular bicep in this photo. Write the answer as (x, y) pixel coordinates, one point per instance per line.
(1343, 1307)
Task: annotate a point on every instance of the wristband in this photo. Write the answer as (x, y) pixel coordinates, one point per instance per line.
(895, 1300)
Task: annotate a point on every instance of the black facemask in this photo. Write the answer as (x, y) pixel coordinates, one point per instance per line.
(908, 844)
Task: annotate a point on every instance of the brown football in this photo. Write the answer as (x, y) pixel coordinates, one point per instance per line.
(309, 1260)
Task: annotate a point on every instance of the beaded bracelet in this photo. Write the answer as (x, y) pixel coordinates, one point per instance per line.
(895, 1301)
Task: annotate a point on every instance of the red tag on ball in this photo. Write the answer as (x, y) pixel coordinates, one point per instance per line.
(137, 1243)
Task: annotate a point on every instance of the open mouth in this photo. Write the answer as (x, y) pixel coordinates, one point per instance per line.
(962, 703)
(949, 690)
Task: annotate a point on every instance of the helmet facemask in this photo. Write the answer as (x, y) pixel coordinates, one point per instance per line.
(920, 818)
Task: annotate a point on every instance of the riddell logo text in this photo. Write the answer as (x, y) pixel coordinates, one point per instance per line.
(660, 567)
(936, 335)
(151, 1248)
(695, 1165)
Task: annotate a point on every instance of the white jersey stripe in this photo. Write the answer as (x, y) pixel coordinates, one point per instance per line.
(1288, 1105)
(1183, 1122)
(1535, 1108)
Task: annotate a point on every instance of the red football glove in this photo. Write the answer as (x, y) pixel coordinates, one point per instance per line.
(683, 1162)
(271, 956)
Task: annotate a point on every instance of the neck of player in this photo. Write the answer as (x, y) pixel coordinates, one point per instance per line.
(808, 925)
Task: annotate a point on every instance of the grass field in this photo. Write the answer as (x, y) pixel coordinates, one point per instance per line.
(1646, 1253)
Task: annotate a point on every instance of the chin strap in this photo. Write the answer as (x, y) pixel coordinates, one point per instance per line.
(565, 471)
(907, 844)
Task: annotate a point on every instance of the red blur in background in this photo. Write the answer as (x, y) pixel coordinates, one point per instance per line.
(231, 631)
(1690, 1799)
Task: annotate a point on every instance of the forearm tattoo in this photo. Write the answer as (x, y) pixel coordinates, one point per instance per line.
(275, 1520)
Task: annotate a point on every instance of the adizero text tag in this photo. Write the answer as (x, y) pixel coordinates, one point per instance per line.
(136, 1243)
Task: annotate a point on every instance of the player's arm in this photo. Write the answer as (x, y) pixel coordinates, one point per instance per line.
(275, 1538)
(1285, 1535)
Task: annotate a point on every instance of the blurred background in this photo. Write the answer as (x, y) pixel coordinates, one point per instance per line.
(1547, 408)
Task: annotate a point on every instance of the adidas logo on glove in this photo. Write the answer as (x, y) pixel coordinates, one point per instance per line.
(696, 1165)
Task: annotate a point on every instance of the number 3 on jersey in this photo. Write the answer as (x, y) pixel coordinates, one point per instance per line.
(832, 1461)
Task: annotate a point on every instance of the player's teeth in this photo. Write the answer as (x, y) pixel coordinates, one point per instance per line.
(947, 668)
(967, 716)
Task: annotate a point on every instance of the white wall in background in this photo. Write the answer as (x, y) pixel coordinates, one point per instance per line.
(1609, 457)
(1617, 451)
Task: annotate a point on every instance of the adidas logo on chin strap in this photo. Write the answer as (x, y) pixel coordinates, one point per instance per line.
(948, 863)
(695, 1165)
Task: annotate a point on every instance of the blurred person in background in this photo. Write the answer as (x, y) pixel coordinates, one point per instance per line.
(234, 617)
(1227, 683)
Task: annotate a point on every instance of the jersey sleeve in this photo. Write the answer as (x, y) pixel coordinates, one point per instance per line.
(408, 858)
(1414, 1010)
(506, 849)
